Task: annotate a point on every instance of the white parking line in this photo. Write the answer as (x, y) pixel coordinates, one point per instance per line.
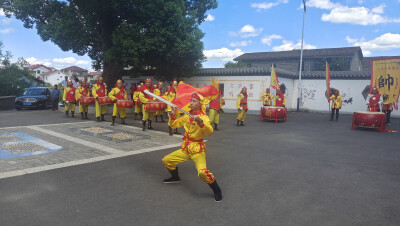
(56, 124)
(83, 161)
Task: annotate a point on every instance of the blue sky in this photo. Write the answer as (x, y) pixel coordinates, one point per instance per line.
(242, 26)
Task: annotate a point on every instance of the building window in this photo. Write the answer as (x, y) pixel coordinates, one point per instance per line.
(38, 71)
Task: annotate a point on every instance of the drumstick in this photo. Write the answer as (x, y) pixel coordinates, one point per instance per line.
(167, 102)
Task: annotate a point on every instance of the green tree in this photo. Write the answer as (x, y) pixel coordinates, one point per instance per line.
(158, 37)
(231, 64)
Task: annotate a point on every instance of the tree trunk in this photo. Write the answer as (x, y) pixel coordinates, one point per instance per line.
(111, 73)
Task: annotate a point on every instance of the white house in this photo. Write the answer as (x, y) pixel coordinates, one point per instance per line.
(53, 77)
(39, 69)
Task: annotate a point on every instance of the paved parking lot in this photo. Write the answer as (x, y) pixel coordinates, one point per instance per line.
(307, 171)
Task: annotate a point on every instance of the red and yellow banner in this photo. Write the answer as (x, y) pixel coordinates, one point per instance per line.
(274, 79)
(385, 76)
(328, 81)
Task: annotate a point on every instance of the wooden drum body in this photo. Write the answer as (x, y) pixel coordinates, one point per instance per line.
(367, 119)
(104, 100)
(155, 106)
(124, 104)
(86, 101)
(273, 113)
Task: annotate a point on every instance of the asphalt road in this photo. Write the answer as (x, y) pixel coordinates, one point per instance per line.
(307, 171)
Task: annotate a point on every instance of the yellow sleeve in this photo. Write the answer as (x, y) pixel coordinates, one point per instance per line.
(105, 91)
(112, 94)
(135, 96)
(125, 95)
(264, 96)
(284, 100)
(340, 101)
(275, 100)
(78, 93)
(239, 98)
(332, 96)
(65, 94)
(178, 122)
(208, 129)
(142, 98)
(94, 90)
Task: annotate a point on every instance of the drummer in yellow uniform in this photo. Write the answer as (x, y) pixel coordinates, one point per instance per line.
(193, 146)
(144, 98)
(81, 92)
(158, 91)
(118, 93)
(99, 90)
(267, 98)
(241, 106)
(336, 104)
(279, 99)
(138, 104)
(69, 99)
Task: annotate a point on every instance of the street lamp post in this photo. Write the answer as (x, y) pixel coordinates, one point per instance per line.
(301, 60)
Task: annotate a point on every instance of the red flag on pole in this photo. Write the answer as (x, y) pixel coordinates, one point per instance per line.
(328, 81)
(274, 79)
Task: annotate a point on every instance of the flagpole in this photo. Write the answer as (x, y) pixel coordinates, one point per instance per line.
(301, 59)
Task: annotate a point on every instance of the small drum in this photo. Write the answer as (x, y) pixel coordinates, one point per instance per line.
(124, 104)
(155, 106)
(86, 101)
(369, 119)
(104, 100)
(273, 113)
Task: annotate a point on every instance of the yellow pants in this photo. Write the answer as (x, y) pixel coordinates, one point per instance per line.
(214, 116)
(138, 108)
(241, 115)
(147, 115)
(83, 108)
(121, 111)
(69, 106)
(170, 161)
(100, 109)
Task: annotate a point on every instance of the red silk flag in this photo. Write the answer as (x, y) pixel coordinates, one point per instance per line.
(274, 79)
(328, 81)
(185, 91)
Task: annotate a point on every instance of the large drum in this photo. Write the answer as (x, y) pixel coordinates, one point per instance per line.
(86, 100)
(369, 119)
(273, 113)
(155, 106)
(104, 100)
(124, 104)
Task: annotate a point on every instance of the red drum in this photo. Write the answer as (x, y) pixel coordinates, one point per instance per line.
(104, 100)
(369, 119)
(155, 106)
(124, 104)
(273, 113)
(86, 101)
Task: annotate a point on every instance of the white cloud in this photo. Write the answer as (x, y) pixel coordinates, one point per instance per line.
(247, 31)
(2, 12)
(351, 40)
(210, 17)
(267, 5)
(82, 62)
(386, 41)
(242, 43)
(268, 39)
(321, 4)
(5, 21)
(67, 60)
(223, 54)
(6, 30)
(289, 45)
(33, 60)
(379, 10)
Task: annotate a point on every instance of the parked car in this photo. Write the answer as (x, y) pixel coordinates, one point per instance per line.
(37, 97)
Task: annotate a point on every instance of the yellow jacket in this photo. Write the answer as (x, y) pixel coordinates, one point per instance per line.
(157, 92)
(66, 90)
(136, 96)
(79, 91)
(336, 102)
(267, 99)
(195, 133)
(239, 99)
(114, 92)
(94, 90)
(277, 97)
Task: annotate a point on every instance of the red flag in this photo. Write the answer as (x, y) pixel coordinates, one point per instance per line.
(274, 79)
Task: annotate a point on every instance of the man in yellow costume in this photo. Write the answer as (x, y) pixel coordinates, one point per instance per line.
(144, 98)
(215, 109)
(138, 104)
(279, 99)
(118, 93)
(267, 98)
(336, 104)
(158, 91)
(69, 99)
(241, 106)
(81, 92)
(193, 146)
(99, 90)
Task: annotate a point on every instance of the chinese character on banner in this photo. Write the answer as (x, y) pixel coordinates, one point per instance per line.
(251, 86)
(389, 81)
(385, 77)
(250, 94)
(231, 93)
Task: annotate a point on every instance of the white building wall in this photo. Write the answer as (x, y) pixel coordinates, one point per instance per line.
(54, 78)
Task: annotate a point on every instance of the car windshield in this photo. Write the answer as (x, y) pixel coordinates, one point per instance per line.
(34, 92)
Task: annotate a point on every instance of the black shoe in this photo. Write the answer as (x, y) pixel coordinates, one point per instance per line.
(123, 121)
(67, 114)
(135, 118)
(156, 118)
(162, 118)
(86, 116)
(174, 177)
(149, 127)
(82, 117)
(215, 126)
(97, 119)
(242, 123)
(102, 118)
(144, 125)
(170, 131)
(217, 191)
(176, 131)
(237, 122)
(72, 114)
(113, 120)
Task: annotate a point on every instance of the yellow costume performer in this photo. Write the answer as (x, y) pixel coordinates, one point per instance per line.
(144, 98)
(279, 99)
(267, 98)
(118, 93)
(241, 106)
(69, 99)
(99, 90)
(81, 92)
(215, 108)
(193, 146)
(336, 104)
(138, 104)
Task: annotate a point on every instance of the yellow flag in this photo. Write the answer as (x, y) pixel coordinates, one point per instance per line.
(274, 79)
(328, 81)
(386, 78)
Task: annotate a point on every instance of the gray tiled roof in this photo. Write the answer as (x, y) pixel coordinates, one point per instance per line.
(253, 71)
(307, 53)
(366, 62)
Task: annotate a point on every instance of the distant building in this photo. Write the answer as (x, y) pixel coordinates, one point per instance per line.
(94, 75)
(39, 69)
(53, 77)
(75, 71)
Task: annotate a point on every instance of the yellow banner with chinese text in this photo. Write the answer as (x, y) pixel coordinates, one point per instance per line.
(385, 76)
